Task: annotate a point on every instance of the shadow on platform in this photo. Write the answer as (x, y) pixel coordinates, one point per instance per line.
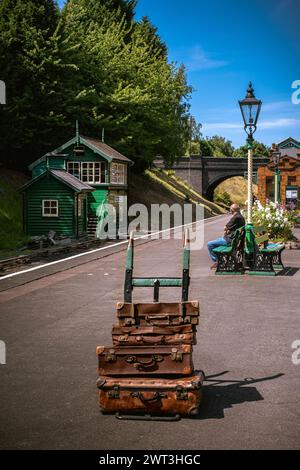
(289, 271)
(223, 394)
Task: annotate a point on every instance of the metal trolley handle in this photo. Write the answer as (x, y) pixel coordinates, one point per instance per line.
(157, 282)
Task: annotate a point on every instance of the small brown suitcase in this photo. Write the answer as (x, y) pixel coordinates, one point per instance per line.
(158, 313)
(153, 335)
(159, 396)
(144, 360)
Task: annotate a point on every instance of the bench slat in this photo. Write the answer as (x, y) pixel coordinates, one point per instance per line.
(272, 249)
(223, 249)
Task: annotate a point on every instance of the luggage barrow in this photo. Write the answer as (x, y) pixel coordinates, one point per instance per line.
(185, 392)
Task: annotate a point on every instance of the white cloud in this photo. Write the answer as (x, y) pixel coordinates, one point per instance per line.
(277, 105)
(222, 125)
(272, 124)
(196, 59)
(200, 61)
(281, 122)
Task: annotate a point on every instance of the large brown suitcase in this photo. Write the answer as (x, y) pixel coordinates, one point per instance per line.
(144, 360)
(158, 313)
(153, 335)
(159, 396)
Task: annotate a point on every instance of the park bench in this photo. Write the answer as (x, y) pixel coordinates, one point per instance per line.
(230, 258)
(266, 256)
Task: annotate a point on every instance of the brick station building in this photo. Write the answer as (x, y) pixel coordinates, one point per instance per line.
(289, 166)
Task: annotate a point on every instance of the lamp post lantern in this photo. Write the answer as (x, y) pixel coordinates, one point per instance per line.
(250, 109)
(276, 154)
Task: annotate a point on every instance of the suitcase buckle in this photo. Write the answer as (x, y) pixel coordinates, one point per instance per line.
(123, 338)
(110, 356)
(187, 319)
(115, 392)
(176, 355)
(181, 393)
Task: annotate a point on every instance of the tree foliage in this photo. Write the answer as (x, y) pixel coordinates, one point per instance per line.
(92, 62)
(222, 147)
(259, 150)
(206, 149)
(194, 137)
(35, 67)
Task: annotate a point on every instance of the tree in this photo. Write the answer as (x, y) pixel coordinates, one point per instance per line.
(194, 137)
(221, 146)
(259, 150)
(92, 62)
(126, 84)
(34, 64)
(149, 32)
(206, 149)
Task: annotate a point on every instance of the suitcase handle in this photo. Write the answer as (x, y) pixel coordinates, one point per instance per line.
(156, 396)
(153, 340)
(143, 366)
(143, 339)
(157, 317)
(154, 317)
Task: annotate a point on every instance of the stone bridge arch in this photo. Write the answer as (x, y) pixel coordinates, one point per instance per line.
(206, 173)
(209, 193)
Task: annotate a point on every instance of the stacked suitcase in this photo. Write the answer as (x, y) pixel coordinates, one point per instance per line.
(148, 371)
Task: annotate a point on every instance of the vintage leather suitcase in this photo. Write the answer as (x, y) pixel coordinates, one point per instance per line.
(158, 313)
(145, 360)
(153, 335)
(154, 396)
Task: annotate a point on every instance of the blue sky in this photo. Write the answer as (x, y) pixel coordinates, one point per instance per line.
(224, 44)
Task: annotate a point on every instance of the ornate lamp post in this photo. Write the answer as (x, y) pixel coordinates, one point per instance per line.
(250, 109)
(276, 154)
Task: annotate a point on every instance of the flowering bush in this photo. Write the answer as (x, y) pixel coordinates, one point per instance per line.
(278, 221)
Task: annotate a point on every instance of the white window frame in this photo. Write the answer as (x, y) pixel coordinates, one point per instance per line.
(120, 173)
(50, 207)
(90, 175)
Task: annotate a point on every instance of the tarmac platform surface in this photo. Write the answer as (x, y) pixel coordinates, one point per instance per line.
(51, 327)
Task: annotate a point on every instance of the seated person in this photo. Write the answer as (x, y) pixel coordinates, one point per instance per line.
(236, 221)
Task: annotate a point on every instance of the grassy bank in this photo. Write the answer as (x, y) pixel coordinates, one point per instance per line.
(236, 188)
(163, 187)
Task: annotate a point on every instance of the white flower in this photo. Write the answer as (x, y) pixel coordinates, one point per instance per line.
(270, 225)
(285, 220)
